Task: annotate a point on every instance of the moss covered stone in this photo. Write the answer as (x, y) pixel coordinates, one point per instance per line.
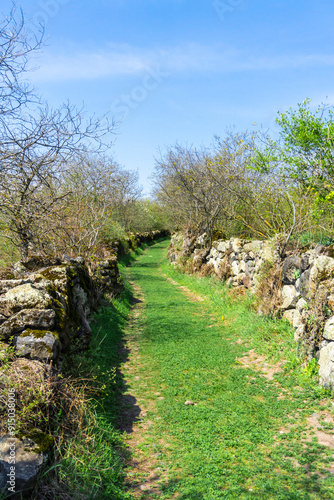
(38, 344)
(43, 441)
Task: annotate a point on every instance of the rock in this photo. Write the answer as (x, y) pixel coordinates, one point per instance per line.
(40, 319)
(326, 363)
(318, 249)
(236, 245)
(38, 344)
(289, 297)
(247, 282)
(267, 252)
(203, 240)
(323, 344)
(329, 329)
(299, 333)
(213, 254)
(253, 246)
(235, 267)
(330, 301)
(301, 305)
(321, 270)
(24, 297)
(222, 246)
(304, 262)
(297, 285)
(108, 263)
(29, 461)
(291, 270)
(240, 279)
(216, 263)
(303, 286)
(19, 269)
(297, 319)
(289, 315)
(189, 403)
(6, 285)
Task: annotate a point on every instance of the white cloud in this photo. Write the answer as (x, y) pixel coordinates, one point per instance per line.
(120, 60)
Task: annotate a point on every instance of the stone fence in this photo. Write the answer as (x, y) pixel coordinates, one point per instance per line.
(45, 307)
(299, 286)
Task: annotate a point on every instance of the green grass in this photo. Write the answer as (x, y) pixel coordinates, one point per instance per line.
(91, 462)
(9, 254)
(227, 445)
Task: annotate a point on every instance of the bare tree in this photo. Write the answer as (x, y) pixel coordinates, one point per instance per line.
(34, 156)
(15, 48)
(184, 183)
(95, 190)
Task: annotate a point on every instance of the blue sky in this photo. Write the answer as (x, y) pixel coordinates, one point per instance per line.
(182, 70)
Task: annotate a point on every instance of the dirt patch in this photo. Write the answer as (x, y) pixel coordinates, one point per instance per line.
(317, 424)
(260, 364)
(192, 296)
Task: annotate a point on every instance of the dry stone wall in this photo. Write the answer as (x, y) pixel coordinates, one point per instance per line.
(304, 285)
(45, 306)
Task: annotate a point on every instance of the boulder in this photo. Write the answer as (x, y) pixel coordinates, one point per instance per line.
(321, 270)
(19, 270)
(289, 297)
(221, 246)
(40, 319)
(249, 267)
(326, 364)
(6, 285)
(24, 297)
(29, 461)
(213, 254)
(291, 270)
(328, 333)
(38, 344)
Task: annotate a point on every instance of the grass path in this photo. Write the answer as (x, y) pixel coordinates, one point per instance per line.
(249, 428)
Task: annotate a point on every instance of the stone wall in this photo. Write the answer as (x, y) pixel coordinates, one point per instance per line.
(304, 285)
(45, 307)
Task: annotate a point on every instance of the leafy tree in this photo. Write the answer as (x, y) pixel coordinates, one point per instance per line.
(304, 152)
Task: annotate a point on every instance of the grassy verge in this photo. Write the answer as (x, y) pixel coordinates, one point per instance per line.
(245, 435)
